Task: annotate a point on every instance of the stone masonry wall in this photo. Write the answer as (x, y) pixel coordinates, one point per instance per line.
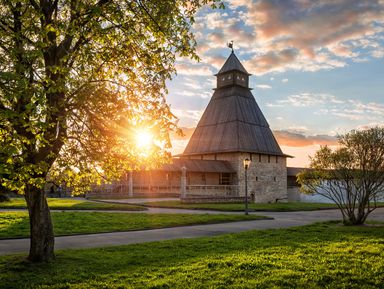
(267, 175)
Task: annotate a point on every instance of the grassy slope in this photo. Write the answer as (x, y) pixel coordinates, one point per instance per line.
(317, 256)
(72, 204)
(276, 207)
(16, 224)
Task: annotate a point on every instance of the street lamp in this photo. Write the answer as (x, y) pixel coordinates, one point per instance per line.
(246, 164)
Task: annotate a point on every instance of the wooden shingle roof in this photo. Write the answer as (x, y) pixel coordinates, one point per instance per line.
(232, 63)
(232, 122)
(199, 166)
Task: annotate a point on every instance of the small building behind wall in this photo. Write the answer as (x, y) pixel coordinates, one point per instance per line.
(293, 187)
(203, 178)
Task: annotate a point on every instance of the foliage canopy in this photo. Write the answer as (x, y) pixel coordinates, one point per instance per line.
(352, 176)
(77, 78)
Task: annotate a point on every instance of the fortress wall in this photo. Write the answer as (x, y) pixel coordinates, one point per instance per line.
(267, 178)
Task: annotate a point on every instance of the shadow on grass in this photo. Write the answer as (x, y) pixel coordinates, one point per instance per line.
(313, 256)
(14, 224)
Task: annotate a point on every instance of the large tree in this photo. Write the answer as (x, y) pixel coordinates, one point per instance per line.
(77, 77)
(352, 176)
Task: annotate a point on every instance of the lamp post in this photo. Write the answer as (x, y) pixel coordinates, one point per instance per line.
(246, 164)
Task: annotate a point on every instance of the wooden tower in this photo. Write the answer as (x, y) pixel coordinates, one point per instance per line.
(233, 128)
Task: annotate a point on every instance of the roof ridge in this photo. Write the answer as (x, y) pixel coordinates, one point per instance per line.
(232, 63)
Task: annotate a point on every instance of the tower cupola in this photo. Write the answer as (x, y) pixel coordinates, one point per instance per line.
(232, 73)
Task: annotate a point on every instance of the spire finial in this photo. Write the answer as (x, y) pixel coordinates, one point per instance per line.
(230, 45)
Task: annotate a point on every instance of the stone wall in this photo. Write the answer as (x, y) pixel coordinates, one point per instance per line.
(267, 175)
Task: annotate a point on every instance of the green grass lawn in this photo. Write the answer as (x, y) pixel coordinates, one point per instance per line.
(317, 256)
(275, 207)
(72, 204)
(16, 224)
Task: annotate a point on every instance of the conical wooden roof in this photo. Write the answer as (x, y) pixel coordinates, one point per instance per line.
(232, 63)
(232, 122)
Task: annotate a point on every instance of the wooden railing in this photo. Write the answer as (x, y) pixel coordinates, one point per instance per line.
(122, 189)
(213, 190)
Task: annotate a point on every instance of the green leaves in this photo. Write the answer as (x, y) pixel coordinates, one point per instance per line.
(350, 175)
(74, 75)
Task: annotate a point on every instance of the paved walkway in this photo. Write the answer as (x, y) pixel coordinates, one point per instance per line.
(281, 220)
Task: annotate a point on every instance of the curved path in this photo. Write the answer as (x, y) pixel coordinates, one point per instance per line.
(281, 220)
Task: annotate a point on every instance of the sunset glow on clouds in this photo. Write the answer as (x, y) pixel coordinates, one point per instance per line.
(317, 66)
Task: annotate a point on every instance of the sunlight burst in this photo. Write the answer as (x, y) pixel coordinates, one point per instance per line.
(144, 139)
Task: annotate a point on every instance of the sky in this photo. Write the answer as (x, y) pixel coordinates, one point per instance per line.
(317, 68)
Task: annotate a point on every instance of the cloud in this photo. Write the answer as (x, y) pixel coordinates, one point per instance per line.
(353, 109)
(179, 142)
(323, 104)
(285, 80)
(217, 60)
(379, 53)
(272, 60)
(187, 133)
(369, 125)
(293, 139)
(306, 35)
(188, 69)
(306, 100)
(188, 114)
(263, 86)
(290, 137)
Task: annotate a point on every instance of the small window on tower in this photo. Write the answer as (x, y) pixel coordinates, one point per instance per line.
(242, 79)
(229, 77)
(238, 77)
(223, 78)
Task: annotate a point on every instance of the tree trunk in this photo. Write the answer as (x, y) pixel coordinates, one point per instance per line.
(42, 239)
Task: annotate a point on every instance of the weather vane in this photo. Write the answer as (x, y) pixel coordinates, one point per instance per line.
(230, 45)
